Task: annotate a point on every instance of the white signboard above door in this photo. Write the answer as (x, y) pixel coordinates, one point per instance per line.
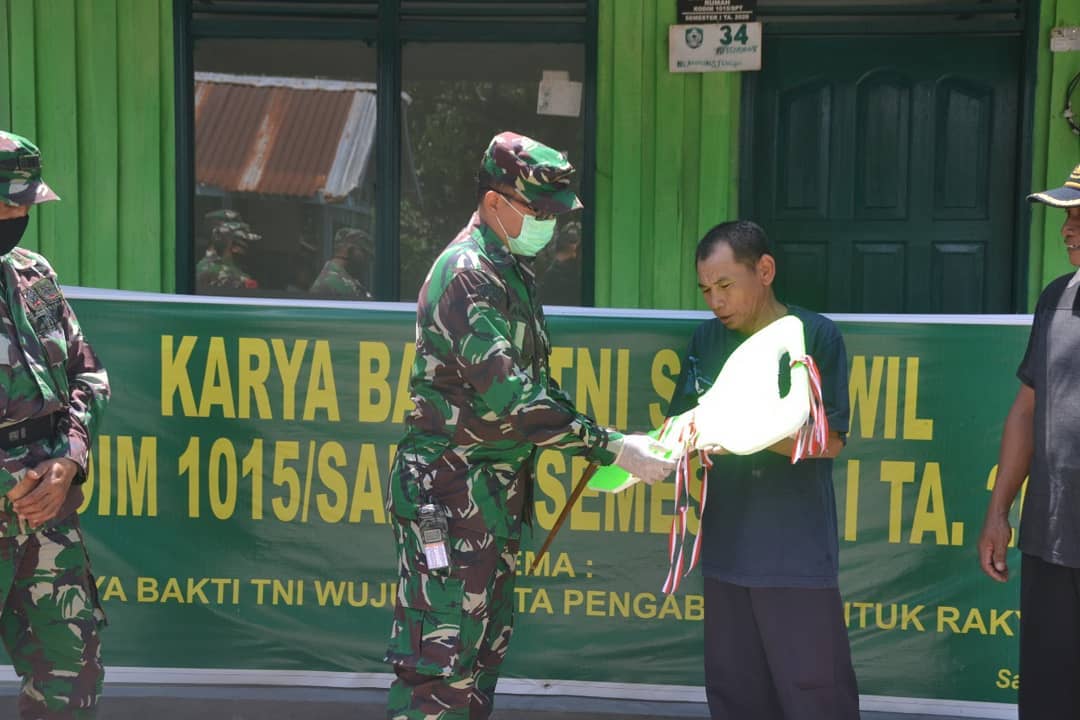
(714, 48)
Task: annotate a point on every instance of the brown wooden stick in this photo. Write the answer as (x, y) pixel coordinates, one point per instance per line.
(585, 477)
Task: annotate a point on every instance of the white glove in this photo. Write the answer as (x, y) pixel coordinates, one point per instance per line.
(642, 457)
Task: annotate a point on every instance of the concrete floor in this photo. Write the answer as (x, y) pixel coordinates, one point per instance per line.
(173, 702)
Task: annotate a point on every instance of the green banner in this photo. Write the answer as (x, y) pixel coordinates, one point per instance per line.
(235, 508)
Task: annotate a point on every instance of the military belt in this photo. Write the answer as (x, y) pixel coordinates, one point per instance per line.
(30, 431)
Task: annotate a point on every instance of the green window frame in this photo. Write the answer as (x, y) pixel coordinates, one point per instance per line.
(388, 24)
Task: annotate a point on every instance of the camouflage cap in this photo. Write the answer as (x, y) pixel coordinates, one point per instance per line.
(536, 174)
(231, 231)
(1066, 196)
(222, 215)
(351, 237)
(20, 172)
(242, 239)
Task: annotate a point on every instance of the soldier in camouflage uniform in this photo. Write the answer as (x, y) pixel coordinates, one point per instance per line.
(53, 391)
(338, 277)
(219, 216)
(221, 270)
(212, 219)
(485, 403)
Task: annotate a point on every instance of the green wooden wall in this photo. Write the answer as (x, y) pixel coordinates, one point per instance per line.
(668, 147)
(91, 82)
(1056, 151)
(666, 167)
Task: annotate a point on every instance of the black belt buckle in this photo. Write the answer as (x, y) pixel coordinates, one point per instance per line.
(26, 432)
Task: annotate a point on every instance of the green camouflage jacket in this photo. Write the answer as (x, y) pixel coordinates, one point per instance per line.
(335, 282)
(214, 271)
(46, 366)
(483, 394)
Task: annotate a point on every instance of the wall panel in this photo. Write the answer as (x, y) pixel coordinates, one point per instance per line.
(96, 91)
(94, 88)
(5, 64)
(666, 160)
(23, 97)
(57, 132)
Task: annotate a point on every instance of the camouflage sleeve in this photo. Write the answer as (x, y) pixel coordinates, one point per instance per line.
(12, 470)
(473, 311)
(601, 455)
(88, 386)
(559, 395)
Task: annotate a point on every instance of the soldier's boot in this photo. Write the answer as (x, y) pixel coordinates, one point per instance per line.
(415, 696)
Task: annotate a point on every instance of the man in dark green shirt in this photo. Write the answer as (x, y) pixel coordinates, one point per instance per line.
(776, 645)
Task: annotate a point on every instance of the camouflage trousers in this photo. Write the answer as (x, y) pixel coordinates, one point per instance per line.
(50, 622)
(451, 628)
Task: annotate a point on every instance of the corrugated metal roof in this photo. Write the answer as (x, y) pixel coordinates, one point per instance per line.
(282, 136)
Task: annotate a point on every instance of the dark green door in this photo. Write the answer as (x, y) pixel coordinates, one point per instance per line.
(885, 171)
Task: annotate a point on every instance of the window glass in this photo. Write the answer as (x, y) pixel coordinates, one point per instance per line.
(458, 97)
(284, 168)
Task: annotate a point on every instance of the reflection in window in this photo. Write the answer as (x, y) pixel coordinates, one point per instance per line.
(461, 96)
(558, 266)
(284, 168)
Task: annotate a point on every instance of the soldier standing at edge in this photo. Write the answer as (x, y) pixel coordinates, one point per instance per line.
(53, 391)
(461, 483)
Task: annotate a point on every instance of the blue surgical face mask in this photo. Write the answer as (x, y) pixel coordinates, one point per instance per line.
(534, 236)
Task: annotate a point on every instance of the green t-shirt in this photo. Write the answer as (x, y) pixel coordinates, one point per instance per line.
(767, 522)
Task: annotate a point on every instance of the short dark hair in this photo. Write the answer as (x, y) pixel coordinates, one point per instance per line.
(746, 239)
(485, 182)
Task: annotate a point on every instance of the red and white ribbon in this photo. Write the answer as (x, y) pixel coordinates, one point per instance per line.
(678, 565)
(812, 439)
